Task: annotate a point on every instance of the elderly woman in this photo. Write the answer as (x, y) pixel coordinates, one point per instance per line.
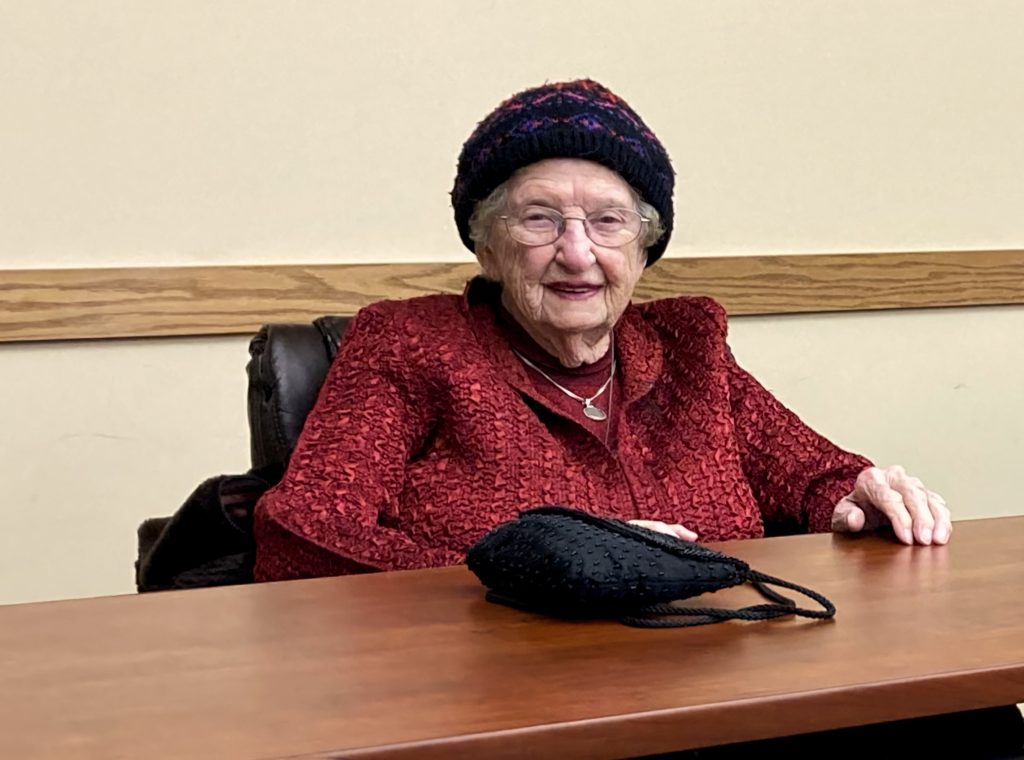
(444, 416)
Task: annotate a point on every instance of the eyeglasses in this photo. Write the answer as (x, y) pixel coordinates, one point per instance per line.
(610, 227)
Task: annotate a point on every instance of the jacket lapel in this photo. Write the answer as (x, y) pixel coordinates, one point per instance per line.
(640, 354)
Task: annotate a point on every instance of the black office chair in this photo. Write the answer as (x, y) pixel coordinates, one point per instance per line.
(209, 541)
(287, 366)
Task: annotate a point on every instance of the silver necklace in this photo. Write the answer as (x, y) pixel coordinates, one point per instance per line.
(589, 410)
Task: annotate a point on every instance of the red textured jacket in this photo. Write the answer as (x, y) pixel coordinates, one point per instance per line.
(428, 432)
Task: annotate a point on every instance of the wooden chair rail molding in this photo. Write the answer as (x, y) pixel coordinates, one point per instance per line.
(68, 304)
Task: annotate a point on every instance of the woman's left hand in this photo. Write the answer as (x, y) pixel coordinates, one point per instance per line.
(674, 529)
(889, 496)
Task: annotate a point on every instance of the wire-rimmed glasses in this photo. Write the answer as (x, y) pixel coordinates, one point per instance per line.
(610, 227)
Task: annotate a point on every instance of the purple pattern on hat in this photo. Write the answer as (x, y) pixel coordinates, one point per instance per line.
(579, 119)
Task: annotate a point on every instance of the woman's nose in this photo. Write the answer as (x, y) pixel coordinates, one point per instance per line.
(574, 247)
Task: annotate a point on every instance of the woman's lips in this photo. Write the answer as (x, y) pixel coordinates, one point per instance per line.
(574, 291)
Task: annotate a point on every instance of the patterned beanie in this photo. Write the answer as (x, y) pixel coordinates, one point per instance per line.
(580, 119)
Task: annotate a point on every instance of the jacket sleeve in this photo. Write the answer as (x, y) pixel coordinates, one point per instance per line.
(797, 476)
(327, 515)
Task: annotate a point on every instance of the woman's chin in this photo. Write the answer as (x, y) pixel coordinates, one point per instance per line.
(577, 322)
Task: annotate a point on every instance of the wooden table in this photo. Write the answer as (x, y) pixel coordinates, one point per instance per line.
(417, 664)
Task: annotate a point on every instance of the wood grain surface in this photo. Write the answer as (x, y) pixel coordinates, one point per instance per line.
(68, 304)
(418, 665)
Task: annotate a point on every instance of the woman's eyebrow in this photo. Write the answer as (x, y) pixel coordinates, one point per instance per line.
(593, 204)
(539, 200)
(609, 201)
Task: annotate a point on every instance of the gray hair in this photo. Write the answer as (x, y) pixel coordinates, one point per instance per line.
(487, 211)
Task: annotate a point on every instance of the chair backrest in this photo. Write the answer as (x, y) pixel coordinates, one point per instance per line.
(287, 366)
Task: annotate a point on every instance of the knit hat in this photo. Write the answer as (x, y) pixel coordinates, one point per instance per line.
(579, 119)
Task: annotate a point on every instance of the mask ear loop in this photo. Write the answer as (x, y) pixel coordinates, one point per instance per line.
(666, 615)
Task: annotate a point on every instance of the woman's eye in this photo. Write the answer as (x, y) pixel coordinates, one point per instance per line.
(537, 218)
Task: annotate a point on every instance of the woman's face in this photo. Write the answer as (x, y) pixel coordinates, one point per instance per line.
(571, 285)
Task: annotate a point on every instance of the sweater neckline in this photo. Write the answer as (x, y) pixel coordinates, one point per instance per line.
(523, 343)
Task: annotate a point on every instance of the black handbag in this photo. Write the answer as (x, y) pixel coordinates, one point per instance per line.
(567, 563)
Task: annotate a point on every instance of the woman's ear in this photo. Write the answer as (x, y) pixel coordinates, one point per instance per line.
(488, 261)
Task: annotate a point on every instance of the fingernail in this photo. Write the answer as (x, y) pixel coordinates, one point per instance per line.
(907, 535)
(926, 536)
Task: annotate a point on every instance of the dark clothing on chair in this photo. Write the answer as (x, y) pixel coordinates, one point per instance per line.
(208, 541)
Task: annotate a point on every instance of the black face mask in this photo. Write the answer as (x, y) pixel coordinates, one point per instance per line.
(563, 562)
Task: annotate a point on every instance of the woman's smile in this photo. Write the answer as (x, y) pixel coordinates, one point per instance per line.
(574, 291)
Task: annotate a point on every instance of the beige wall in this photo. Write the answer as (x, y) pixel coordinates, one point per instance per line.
(137, 133)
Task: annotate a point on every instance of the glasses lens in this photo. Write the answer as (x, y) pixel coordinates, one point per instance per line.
(538, 225)
(535, 225)
(614, 226)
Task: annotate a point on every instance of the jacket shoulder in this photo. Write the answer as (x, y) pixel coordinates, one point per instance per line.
(687, 315)
(394, 322)
(425, 309)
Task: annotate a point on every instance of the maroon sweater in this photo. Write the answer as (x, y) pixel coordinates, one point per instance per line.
(429, 431)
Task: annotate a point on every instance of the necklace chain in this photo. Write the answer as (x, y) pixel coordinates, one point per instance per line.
(588, 403)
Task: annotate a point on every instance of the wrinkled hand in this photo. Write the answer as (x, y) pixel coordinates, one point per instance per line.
(889, 496)
(674, 530)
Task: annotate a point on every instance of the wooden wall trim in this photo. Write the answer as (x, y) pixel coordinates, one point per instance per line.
(70, 304)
